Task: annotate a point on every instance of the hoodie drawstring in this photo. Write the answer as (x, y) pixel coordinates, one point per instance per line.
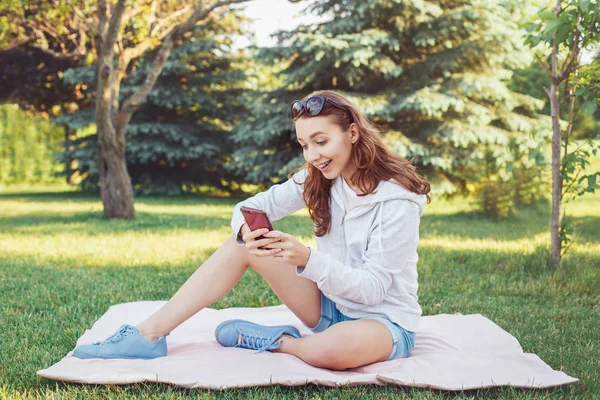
(380, 229)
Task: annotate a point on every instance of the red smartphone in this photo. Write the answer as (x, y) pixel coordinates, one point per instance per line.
(256, 219)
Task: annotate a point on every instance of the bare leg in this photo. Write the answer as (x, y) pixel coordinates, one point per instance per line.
(348, 344)
(219, 274)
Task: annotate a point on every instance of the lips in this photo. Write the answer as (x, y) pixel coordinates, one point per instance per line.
(323, 165)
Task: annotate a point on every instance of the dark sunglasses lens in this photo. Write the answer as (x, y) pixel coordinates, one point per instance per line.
(314, 105)
(296, 109)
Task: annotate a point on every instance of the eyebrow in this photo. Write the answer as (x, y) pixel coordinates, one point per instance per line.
(312, 135)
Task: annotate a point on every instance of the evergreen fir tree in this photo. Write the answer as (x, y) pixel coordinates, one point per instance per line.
(432, 74)
(180, 137)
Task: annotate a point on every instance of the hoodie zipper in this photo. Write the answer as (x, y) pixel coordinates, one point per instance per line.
(343, 228)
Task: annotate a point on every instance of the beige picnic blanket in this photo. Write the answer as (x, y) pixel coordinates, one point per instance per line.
(452, 352)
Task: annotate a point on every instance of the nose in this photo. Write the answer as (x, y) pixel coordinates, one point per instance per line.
(312, 154)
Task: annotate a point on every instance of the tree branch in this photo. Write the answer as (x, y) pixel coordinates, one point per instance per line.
(199, 14)
(564, 94)
(84, 20)
(133, 12)
(164, 21)
(101, 27)
(566, 68)
(114, 26)
(57, 54)
(545, 65)
(132, 53)
(136, 99)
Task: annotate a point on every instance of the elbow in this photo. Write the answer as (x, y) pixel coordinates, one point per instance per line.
(377, 294)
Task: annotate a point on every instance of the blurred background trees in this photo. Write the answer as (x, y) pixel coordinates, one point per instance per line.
(435, 75)
(179, 137)
(450, 82)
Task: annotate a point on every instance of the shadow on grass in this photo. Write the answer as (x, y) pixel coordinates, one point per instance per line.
(86, 197)
(94, 223)
(529, 221)
(586, 229)
(90, 222)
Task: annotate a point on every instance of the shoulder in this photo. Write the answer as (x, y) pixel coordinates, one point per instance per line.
(394, 211)
(396, 205)
(300, 176)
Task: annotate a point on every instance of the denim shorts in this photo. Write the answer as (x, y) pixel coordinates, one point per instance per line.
(404, 340)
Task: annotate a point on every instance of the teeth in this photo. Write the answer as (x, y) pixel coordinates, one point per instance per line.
(324, 164)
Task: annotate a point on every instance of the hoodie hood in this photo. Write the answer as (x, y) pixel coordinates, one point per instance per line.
(387, 190)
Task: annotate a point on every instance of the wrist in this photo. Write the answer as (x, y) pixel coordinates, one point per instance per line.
(308, 252)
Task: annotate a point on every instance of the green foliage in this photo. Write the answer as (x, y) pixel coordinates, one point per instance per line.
(531, 81)
(28, 147)
(180, 136)
(493, 192)
(39, 39)
(558, 33)
(575, 16)
(575, 164)
(433, 75)
(513, 177)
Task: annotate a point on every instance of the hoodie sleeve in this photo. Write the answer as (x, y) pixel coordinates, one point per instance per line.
(391, 248)
(279, 201)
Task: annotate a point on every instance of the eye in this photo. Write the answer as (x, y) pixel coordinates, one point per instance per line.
(321, 143)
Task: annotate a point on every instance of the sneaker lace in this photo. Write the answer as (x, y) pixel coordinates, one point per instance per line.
(257, 341)
(118, 335)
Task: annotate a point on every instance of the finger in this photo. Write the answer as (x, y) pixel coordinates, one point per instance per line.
(264, 253)
(259, 232)
(264, 243)
(268, 241)
(274, 234)
(252, 235)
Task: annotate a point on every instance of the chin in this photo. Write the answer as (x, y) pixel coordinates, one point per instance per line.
(330, 175)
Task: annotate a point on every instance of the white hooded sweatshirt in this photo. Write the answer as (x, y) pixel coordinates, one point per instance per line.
(367, 263)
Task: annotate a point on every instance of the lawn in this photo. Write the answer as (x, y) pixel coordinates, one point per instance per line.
(62, 265)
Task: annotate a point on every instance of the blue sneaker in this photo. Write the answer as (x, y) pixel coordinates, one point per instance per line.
(124, 343)
(248, 335)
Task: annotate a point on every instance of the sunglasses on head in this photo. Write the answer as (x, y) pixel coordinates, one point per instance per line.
(312, 107)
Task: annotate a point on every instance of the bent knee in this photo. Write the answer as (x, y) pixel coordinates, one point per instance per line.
(338, 356)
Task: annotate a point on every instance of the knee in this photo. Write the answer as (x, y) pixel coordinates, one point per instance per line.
(336, 356)
(327, 358)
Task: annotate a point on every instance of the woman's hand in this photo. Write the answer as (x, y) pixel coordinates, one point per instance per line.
(255, 246)
(291, 250)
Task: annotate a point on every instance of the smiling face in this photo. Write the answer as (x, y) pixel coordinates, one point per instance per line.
(324, 142)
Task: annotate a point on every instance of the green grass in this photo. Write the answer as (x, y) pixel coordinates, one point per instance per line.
(62, 265)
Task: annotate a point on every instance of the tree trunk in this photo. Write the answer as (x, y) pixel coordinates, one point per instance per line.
(111, 120)
(115, 183)
(556, 178)
(556, 146)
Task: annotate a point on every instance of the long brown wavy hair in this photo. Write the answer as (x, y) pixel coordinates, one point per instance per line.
(373, 162)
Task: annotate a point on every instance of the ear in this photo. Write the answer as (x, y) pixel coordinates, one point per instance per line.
(354, 134)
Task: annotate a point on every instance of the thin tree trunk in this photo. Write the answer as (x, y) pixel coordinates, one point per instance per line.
(556, 178)
(556, 162)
